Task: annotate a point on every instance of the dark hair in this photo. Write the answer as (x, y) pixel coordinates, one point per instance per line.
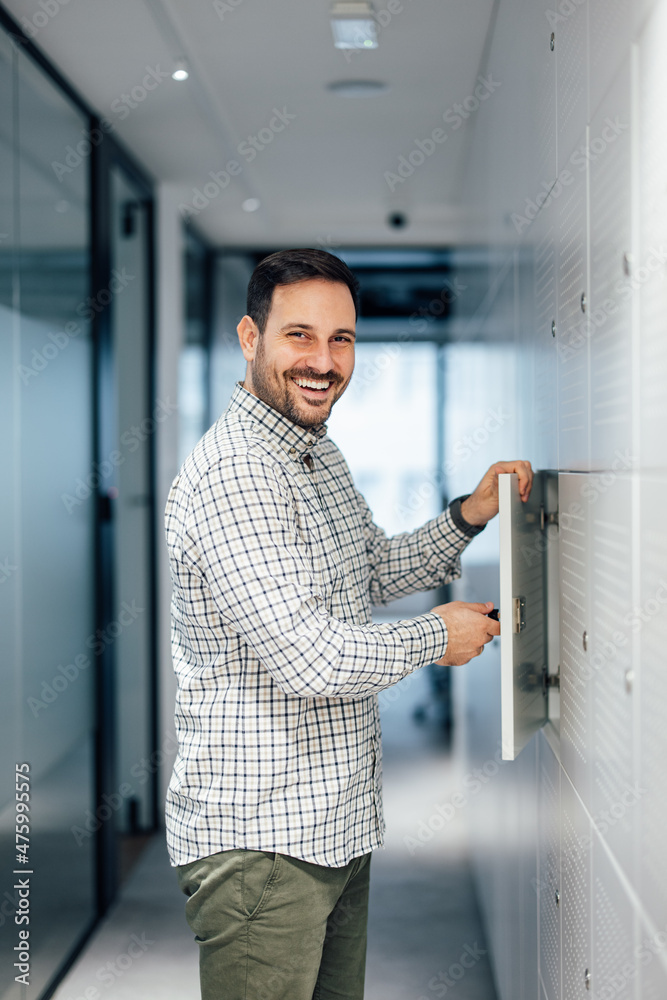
(287, 267)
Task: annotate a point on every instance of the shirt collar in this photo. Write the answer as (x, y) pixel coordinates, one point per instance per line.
(272, 425)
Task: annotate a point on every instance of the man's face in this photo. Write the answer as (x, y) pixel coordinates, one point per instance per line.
(304, 360)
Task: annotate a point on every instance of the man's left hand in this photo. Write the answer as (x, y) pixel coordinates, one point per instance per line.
(482, 505)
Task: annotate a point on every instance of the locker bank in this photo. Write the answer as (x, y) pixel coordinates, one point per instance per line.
(494, 174)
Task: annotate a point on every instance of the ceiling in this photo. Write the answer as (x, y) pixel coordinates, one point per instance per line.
(261, 68)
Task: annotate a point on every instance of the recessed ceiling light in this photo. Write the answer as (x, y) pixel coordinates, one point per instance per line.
(251, 204)
(180, 72)
(353, 25)
(358, 88)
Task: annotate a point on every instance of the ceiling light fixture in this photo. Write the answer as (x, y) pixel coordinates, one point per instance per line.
(180, 72)
(357, 88)
(353, 25)
(250, 204)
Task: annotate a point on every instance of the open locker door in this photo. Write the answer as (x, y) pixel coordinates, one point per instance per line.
(523, 611)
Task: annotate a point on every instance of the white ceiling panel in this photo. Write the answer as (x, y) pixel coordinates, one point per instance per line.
(320, 177)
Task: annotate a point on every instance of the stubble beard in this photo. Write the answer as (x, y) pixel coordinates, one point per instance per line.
(273, 388)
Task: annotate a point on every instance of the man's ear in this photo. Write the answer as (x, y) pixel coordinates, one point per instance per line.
(248, 337)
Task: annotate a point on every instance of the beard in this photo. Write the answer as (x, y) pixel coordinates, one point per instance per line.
(280, 392)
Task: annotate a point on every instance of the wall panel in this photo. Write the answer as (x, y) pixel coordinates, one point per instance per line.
(572, 324)
(612, 257)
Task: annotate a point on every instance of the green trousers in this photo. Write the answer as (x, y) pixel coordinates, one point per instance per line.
(271, 927)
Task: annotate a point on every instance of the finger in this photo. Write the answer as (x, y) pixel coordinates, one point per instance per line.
(524, 471)
(482, 609)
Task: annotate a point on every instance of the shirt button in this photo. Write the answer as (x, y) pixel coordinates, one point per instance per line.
(292, 452)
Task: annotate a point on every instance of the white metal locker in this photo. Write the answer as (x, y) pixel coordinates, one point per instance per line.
(612, 258)
(648, 623)
(614, 800)
(549, 886)
(576, 896)
(610, 26)
(614, 964)
(572, 324)
(540, 300)
(571, 46)
(651, 271)
(576, 672)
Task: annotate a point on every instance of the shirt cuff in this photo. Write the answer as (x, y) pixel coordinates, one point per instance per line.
(469, 530)
(424, 638)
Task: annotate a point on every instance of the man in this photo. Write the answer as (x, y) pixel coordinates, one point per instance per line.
(274, 806)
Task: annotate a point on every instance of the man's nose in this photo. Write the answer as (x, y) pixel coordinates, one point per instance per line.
(319, 357)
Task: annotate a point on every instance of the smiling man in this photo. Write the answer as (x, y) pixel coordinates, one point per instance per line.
(274, 806)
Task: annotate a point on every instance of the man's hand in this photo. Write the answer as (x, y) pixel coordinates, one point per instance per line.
(468, 629)
(482, 505)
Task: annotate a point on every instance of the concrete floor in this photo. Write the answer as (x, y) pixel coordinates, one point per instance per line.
(425, 935)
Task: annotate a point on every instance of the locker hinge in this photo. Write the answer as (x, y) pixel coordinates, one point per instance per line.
(518, 613)
(550, 680)
(546, 519)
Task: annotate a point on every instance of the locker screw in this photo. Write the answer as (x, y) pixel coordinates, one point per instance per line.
(587, 979)
(629, 680)
(584, 302)
(557, 897)
(627, 264)
(585, 641)
(552, 43)
(553, 327)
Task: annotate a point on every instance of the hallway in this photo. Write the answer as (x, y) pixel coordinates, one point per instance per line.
(423, 915)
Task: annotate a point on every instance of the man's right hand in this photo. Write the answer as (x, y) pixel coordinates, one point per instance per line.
(469, 630)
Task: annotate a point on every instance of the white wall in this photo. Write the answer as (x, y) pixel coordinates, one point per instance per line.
(568, 840)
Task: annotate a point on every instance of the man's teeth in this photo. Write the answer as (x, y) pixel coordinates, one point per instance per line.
(307, 383)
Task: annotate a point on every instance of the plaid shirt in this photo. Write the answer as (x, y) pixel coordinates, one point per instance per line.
(275, 563)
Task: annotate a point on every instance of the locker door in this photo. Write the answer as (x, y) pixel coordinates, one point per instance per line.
(614, 966)
(575, 667)
(523, 600)
(573, 322)
(612, 260)
(614, 799)
(576, 896)
(549, 871)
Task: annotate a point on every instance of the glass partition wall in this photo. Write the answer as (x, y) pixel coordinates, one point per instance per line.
(76, 517)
